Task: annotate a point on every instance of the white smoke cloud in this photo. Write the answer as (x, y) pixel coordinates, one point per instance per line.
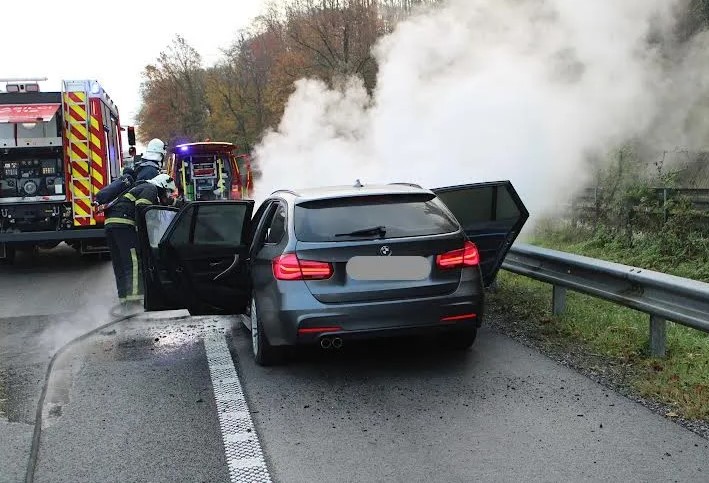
(480, 90)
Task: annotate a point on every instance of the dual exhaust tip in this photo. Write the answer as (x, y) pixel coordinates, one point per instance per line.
(331, 343)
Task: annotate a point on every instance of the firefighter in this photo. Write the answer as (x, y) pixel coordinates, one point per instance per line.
(150, 164)
(116, 187)
(122, 236)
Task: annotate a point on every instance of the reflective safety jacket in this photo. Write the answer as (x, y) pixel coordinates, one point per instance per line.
(123, 212)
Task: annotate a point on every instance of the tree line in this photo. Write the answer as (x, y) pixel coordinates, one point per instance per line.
(245, 93)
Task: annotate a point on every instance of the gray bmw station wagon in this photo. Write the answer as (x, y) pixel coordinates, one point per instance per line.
(329, 265)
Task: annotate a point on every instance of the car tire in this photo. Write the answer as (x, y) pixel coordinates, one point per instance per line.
(460, 339)
(264, 353)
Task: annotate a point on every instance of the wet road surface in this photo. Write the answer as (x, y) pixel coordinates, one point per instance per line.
(128, 407)
(46, 299)
(501, 412)
(136, 403)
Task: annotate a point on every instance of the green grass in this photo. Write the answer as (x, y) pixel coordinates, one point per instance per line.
(688, 257)
(619, 336)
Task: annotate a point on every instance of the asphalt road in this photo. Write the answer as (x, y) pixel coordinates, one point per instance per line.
(499, 413)
(46, 299)
(137, 403)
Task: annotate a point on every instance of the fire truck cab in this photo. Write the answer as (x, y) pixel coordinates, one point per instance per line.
(57, 150)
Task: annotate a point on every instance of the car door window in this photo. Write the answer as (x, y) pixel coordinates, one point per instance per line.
(476, 208)
(258, 217)
(210, 224)
(181, 234)
(157, 222)
(219, 225)
(277, 228)
(261, 232)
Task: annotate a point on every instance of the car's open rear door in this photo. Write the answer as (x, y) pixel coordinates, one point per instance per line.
(492, 215)
(197, 258)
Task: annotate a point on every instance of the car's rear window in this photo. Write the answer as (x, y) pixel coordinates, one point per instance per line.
(400, 215)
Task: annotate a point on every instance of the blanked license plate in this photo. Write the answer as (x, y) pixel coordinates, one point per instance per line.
(389, 268)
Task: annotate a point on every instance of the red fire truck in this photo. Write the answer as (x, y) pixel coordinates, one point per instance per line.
(57, 150)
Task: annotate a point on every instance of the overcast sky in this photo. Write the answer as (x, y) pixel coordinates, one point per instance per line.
(43, 38)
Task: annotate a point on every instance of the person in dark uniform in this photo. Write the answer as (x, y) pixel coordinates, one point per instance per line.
(116, 187)
(120, 225)
(150, 163)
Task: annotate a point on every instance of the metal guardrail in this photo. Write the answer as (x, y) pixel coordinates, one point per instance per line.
(663, 297)
(698, 197)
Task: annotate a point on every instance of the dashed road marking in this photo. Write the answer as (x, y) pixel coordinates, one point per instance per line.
(241, 445)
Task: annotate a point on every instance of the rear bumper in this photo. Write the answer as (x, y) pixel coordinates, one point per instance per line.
(387, 332)
(368, 320)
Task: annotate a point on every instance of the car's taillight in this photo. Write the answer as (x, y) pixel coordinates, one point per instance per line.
(468, 256)
(289, 267)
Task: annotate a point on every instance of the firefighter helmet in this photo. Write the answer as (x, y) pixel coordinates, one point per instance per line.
(155, 151)
(165, 182)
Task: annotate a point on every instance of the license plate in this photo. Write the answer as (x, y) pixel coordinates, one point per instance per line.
(405, 268)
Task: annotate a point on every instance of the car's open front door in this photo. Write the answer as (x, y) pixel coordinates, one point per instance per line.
(492, 215)
(153, 222)
(197, 258)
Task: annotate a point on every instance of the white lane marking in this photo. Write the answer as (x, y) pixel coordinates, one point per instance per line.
(241, 445)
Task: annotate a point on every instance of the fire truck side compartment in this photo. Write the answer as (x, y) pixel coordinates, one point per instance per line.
(34, 209)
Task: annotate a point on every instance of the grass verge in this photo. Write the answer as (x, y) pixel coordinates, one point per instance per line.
(663, 253)
(614, 342)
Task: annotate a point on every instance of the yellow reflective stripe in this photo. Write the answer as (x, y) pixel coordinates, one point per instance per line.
(130, 196)
(134, 262)
(134, 298)
(124, 221)
(143, 201)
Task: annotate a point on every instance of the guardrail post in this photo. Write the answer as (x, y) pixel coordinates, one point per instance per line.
(558, 300)
(658, 336)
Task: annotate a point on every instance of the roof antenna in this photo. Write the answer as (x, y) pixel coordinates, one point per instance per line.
(358, 184)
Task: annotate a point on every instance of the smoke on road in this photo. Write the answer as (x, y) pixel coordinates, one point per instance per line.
(67, 327)
(478, 90)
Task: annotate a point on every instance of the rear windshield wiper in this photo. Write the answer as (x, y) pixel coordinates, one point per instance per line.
(376, 230)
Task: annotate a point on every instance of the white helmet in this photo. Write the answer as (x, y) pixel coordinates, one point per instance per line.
(164, 181)
(155, 151)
